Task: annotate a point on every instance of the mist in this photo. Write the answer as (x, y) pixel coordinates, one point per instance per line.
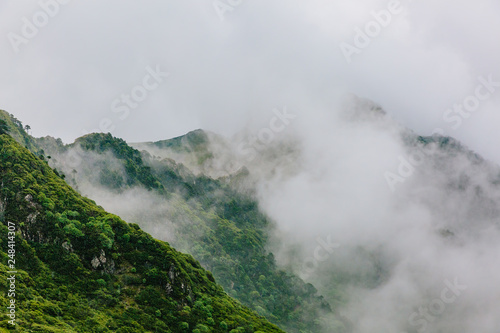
(387, 253)
(399, 234)
(65, 79)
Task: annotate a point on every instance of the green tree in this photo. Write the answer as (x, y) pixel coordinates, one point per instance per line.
(4, 128)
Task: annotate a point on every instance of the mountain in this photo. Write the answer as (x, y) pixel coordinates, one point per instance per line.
(220, 226)
(81, 269)
(414, 214)
(20, 133)
(194, 150)
(408, 211)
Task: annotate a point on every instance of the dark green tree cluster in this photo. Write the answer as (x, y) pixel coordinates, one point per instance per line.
(4, 128)
(137, 172)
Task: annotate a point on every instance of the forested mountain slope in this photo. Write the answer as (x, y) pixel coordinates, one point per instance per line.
(221, 227)
(81, 269)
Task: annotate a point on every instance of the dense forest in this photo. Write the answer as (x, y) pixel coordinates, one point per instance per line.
(216, 222)
(81, 269)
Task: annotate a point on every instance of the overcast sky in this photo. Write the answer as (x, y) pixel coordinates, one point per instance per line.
(68, 77)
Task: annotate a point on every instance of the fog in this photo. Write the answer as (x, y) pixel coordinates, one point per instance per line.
(63, 78)
(415, 255)
(391, 254)
(136, 204)
(399, 236)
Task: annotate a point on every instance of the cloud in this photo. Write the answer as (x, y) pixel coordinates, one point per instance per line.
(396, 253)
(264, 54)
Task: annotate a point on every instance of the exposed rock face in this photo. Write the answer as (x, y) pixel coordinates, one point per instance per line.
(108, 265)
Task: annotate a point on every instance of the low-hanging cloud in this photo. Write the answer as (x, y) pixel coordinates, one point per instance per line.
(264, 54)
(387, 258)
(414, 259)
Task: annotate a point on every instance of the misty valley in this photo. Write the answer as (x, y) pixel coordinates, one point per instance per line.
(232, 166)
(309, 235)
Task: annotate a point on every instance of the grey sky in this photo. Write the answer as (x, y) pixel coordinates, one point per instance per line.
(265, 54)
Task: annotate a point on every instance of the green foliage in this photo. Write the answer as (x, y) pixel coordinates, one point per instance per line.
(231, 241)
(74, 263)
(137, 172)
(4, 128)
(13, 127)
(229, 238)
(224, 229)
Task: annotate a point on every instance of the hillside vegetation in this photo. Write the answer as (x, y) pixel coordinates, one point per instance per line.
(81, 269)
(220, 226)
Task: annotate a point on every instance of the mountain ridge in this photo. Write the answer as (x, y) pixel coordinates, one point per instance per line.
(71, 250)
(217, 210)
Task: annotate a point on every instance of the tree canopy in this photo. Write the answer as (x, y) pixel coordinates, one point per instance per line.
(4, 128)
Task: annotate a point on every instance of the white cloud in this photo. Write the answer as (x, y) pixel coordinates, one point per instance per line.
(264, 54)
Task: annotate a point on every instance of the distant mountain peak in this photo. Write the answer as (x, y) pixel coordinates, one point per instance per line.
(360, 108)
